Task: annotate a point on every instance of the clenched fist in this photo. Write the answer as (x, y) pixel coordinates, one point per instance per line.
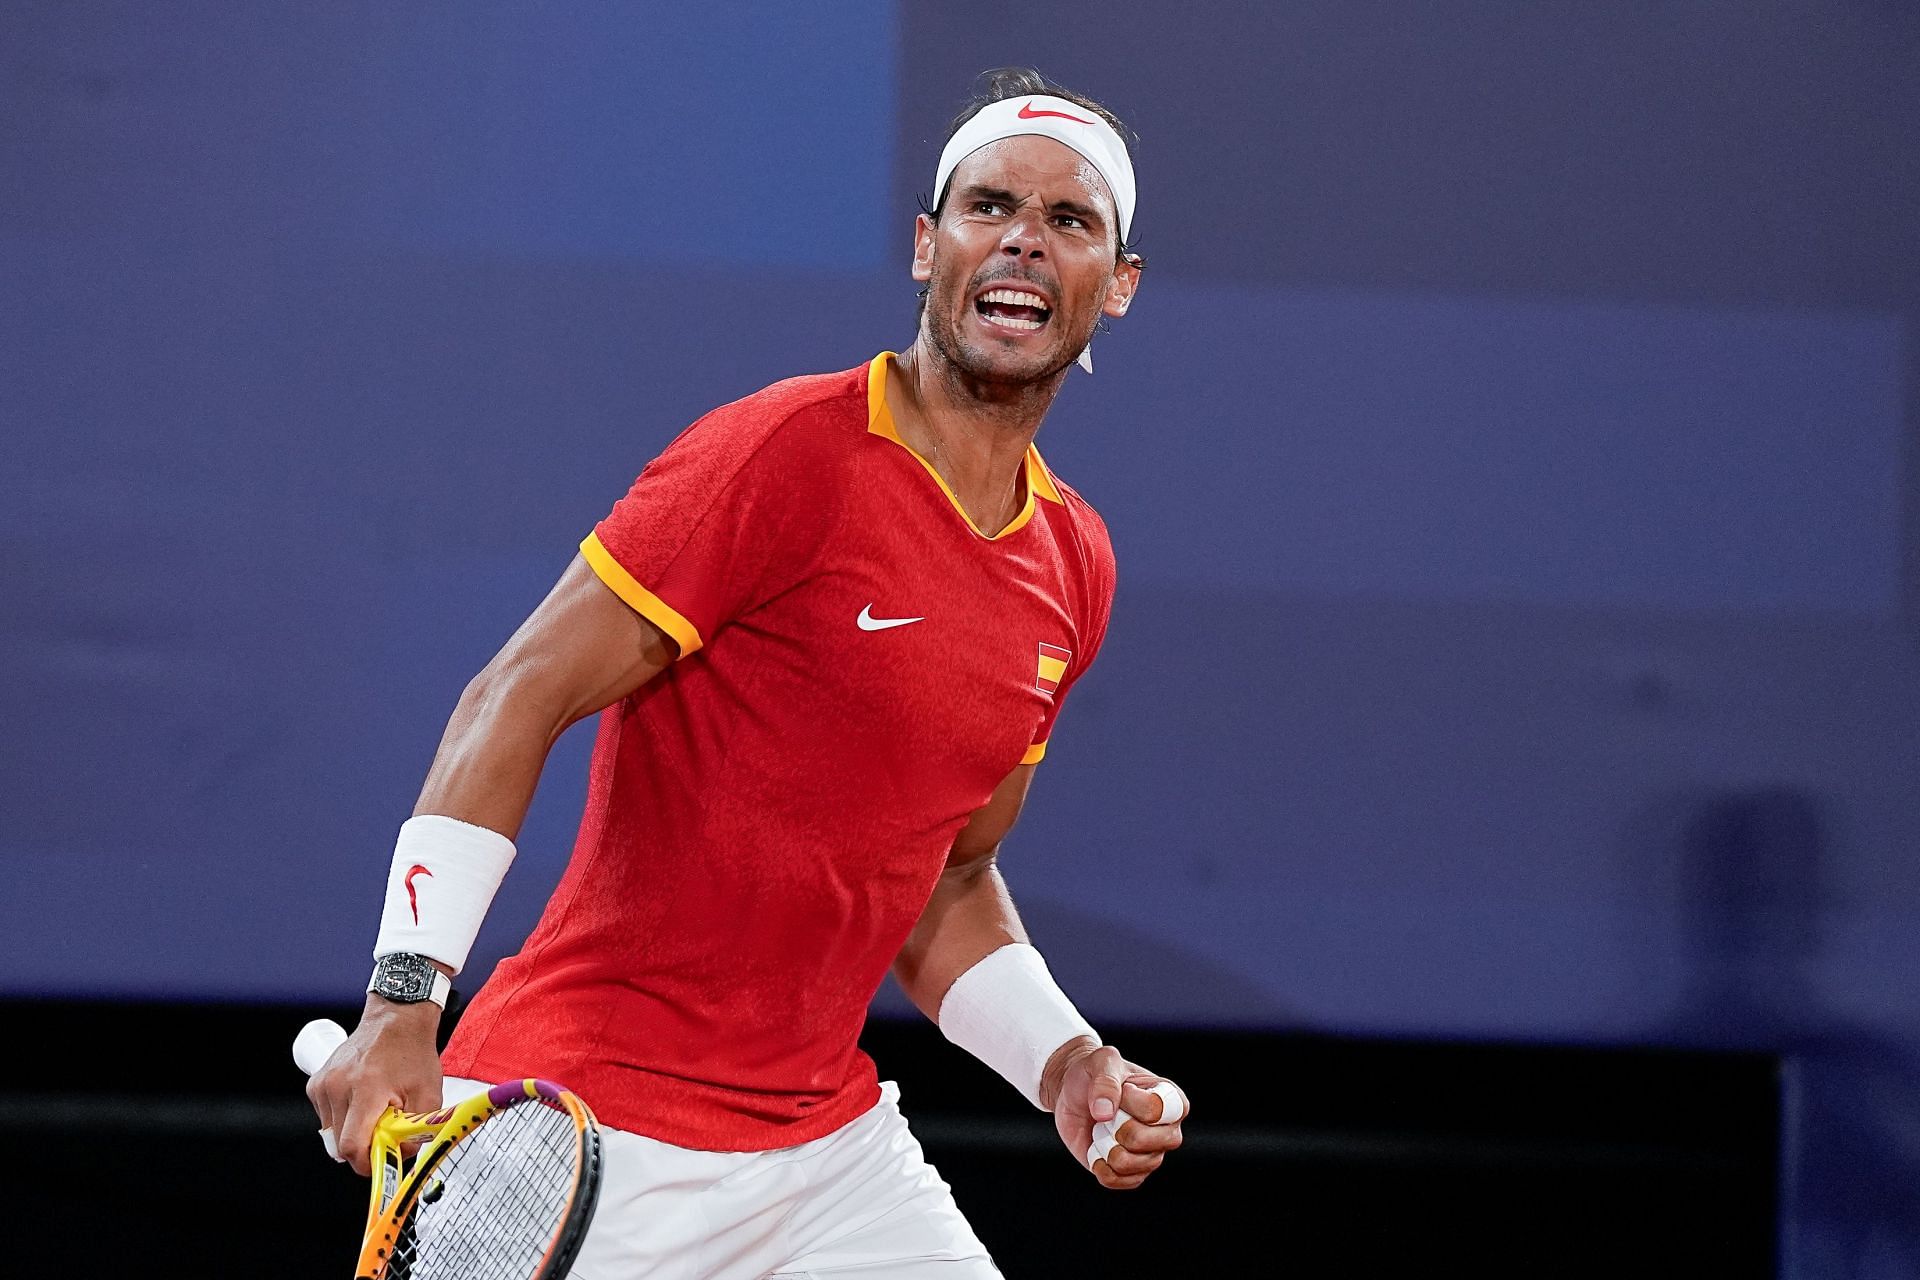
(1086, 1084)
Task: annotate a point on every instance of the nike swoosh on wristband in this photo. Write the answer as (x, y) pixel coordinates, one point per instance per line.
(870, 623)
(416, 869)
(1028, 113)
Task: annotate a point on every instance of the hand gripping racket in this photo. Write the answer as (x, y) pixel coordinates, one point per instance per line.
(502, 1186)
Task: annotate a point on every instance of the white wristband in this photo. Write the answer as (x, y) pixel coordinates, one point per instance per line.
(444, 875)
(1007, 1012)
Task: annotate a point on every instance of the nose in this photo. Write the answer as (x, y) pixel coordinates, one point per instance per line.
(1023, 237)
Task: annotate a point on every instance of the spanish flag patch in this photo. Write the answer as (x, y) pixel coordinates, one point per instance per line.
(1053, 665)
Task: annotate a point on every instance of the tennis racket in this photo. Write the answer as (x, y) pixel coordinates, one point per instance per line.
(501, 1186)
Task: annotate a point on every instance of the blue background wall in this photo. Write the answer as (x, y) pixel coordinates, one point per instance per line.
(1511, 463)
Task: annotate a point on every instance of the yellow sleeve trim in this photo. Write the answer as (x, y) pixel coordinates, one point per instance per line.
(644, 602)
(1035, 754)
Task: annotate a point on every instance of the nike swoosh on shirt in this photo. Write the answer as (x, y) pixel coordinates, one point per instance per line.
(870, 623)
(1028, 113)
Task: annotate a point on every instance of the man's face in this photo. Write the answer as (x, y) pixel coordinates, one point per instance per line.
(1022, 264)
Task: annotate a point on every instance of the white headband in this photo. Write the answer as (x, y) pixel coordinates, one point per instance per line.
(1065, 122)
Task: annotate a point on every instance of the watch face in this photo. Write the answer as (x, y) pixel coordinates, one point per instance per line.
(404, 978)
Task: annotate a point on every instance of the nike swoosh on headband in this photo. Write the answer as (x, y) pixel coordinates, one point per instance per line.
(1028, 113)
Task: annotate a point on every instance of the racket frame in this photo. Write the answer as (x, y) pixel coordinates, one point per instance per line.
(396, 1185)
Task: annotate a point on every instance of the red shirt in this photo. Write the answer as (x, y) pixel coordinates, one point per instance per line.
(859, 668)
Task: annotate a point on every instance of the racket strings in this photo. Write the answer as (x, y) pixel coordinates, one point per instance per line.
(493, 1204)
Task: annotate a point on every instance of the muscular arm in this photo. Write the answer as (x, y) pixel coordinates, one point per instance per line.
(971, 914)
(582, 649)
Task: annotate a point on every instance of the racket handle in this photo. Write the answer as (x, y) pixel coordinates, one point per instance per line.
(311, 1049)
(316, 1043)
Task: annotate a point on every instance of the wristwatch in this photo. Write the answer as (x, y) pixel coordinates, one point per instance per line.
(406, 978)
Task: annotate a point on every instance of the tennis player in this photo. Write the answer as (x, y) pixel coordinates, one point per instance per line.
(828, 632)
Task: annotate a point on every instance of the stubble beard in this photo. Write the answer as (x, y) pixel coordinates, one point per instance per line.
(973, 363)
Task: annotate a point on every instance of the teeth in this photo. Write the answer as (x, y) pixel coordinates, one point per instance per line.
(1014, 297)
(1012, 322)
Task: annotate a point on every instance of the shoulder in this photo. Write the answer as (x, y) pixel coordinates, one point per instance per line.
(1088, 534)
(1082, 516)
(1086, 554)
(795, 437)
(814, 413)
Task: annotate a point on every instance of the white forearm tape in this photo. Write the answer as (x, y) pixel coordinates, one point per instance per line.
(1007, 1012)
(444, 875)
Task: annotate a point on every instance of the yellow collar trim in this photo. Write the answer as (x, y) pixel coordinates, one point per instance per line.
(880, 423)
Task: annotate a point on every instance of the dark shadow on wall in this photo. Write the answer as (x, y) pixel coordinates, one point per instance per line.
(1094, 957)
(1085, 950)
(1753, 893)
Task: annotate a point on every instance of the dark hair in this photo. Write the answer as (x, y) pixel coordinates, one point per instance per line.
(1002, 83)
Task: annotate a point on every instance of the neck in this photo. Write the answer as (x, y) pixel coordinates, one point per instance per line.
(975, 433)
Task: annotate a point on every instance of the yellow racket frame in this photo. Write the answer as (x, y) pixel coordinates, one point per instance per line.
(396, 1184)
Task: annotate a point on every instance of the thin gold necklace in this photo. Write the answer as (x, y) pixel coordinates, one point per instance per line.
(939, 460)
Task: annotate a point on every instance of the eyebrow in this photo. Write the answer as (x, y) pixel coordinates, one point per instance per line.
(1084, 212)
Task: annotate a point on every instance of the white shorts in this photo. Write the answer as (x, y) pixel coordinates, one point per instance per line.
(860, 1202)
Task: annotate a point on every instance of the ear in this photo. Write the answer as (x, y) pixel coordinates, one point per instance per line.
(923, 236)
(1120, 290)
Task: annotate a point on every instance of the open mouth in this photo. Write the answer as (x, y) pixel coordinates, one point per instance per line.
(1013, 309)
